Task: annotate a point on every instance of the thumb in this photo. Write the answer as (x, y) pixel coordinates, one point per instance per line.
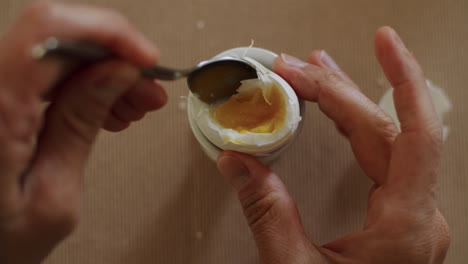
(271, 213)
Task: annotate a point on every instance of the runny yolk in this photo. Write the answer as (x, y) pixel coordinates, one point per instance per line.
(250, 112)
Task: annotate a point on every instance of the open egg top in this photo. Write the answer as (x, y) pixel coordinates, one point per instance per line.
(260, 118)
(255, 108)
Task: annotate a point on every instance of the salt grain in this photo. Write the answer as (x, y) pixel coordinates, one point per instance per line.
(200, 24)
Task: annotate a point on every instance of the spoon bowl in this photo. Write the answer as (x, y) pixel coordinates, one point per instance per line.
(219, 79)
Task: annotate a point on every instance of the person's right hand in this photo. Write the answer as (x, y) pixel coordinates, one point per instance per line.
(403, 224)
(42, 155)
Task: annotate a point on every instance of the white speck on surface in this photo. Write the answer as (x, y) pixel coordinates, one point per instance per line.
(182, 106)
(201, 24)
(440, 99)
(199, 235)
(183, 103)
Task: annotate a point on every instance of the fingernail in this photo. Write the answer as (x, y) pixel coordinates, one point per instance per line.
(397, 38)
(293, 61)
(234, 170)
(328, 61)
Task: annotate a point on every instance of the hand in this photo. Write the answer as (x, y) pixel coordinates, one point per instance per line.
(43, 153)
(403, 224)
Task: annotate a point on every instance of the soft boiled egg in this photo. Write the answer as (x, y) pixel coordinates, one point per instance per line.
(261, 118)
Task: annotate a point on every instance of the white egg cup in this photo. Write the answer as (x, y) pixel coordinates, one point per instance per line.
(266, 58)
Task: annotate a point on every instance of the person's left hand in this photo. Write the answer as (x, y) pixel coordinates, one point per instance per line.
(403, 223)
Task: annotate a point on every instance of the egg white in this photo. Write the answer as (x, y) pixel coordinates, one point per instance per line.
(257, 144)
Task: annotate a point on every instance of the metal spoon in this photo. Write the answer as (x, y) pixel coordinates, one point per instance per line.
(211, 80)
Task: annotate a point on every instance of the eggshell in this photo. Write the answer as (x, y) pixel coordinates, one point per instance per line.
(265, 149)
(251, 143)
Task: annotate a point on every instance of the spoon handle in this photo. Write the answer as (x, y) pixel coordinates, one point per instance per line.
(88, 53)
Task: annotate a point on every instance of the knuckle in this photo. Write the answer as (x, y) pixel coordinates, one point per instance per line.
(332, 83)
(51, 211)
(113, 79)
(262, 209)
(115, 70)
(82, 125)
(434, 245)
(432, 136)
(315, 82)
(443, 231)
(423, 237)
(436, 132)
(333, 79)
(101, 87)
(385, 124)
(128, 114)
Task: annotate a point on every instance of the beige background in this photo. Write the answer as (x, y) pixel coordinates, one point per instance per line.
(151, 196)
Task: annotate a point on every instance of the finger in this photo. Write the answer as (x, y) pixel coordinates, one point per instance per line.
(147, 95)
(44, 19)
(412, 99)
(271, 213)
(114, 124)
(416, 157)
(323, 59)
(71, 125)
(19, 121)
(126, 112)
(370, 130)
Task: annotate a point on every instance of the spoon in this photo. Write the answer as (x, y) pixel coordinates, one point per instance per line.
(210, 80)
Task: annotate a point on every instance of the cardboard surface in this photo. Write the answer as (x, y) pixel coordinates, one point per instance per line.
(151, 196)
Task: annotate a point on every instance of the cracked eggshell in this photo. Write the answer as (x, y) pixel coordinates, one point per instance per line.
(252, 143)
(266, 58)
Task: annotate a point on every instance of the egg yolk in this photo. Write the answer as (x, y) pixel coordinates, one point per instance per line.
(252, 111)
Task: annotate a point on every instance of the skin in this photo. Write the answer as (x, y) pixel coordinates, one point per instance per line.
(44, 151)
(403, 223)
